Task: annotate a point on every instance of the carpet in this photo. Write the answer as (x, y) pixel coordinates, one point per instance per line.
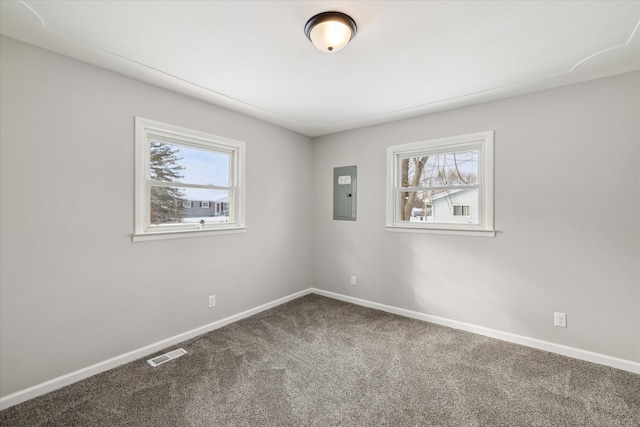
(316, 361)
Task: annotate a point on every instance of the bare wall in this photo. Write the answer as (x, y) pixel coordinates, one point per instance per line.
(74, 288)
(567, 211)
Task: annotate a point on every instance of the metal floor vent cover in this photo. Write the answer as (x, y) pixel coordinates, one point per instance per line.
(159, 360)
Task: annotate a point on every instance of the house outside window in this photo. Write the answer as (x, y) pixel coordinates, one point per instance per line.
(442, 186)
(178, 172)
(461, 210)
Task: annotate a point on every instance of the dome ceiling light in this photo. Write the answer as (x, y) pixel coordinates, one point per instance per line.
(330, 31)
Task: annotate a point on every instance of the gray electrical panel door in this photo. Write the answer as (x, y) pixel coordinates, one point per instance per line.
(344, 193)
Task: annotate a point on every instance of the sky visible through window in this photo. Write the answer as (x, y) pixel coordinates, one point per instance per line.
(203, 167)
(453, 168)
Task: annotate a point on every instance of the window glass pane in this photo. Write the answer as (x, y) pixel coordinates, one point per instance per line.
(461, 210)
(168, 205)
(440, 207)
(174, 163)
(171, 205)
(443, 169)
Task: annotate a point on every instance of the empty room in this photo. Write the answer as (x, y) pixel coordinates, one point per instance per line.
(292, 213)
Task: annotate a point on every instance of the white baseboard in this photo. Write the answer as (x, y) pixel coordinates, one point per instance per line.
(576, 353)
(64, 380)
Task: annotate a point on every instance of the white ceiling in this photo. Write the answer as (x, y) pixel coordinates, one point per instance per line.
(408, 57)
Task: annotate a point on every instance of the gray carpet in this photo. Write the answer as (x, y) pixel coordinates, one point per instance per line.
(318, 361)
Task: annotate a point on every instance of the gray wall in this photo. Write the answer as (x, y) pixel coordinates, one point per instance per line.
(74, 289)
(567, 211)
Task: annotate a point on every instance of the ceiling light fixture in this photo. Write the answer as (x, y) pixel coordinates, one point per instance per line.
(330, 31)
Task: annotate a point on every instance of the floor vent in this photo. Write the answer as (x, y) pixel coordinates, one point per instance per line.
(159, 360)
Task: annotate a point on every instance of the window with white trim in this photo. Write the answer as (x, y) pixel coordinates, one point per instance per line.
(442, 186)
(174, 167)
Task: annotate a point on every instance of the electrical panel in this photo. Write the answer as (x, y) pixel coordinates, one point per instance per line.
(344, 193)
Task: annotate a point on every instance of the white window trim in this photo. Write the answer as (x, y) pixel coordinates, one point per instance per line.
(481, 140)
(142, 232)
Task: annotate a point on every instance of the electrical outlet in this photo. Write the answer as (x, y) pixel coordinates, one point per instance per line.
(560, 319)
(353, 280)
(212, 301)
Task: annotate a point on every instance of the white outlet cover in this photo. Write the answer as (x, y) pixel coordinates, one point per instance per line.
(560, 319)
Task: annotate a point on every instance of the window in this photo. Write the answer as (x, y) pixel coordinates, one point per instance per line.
(442, 186)
(461, 210)
(177, 166)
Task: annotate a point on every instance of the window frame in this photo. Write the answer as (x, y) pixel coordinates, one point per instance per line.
(144, 130)
(484, 143)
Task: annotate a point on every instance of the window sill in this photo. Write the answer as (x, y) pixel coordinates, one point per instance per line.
(186, 234)
(448, 231)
